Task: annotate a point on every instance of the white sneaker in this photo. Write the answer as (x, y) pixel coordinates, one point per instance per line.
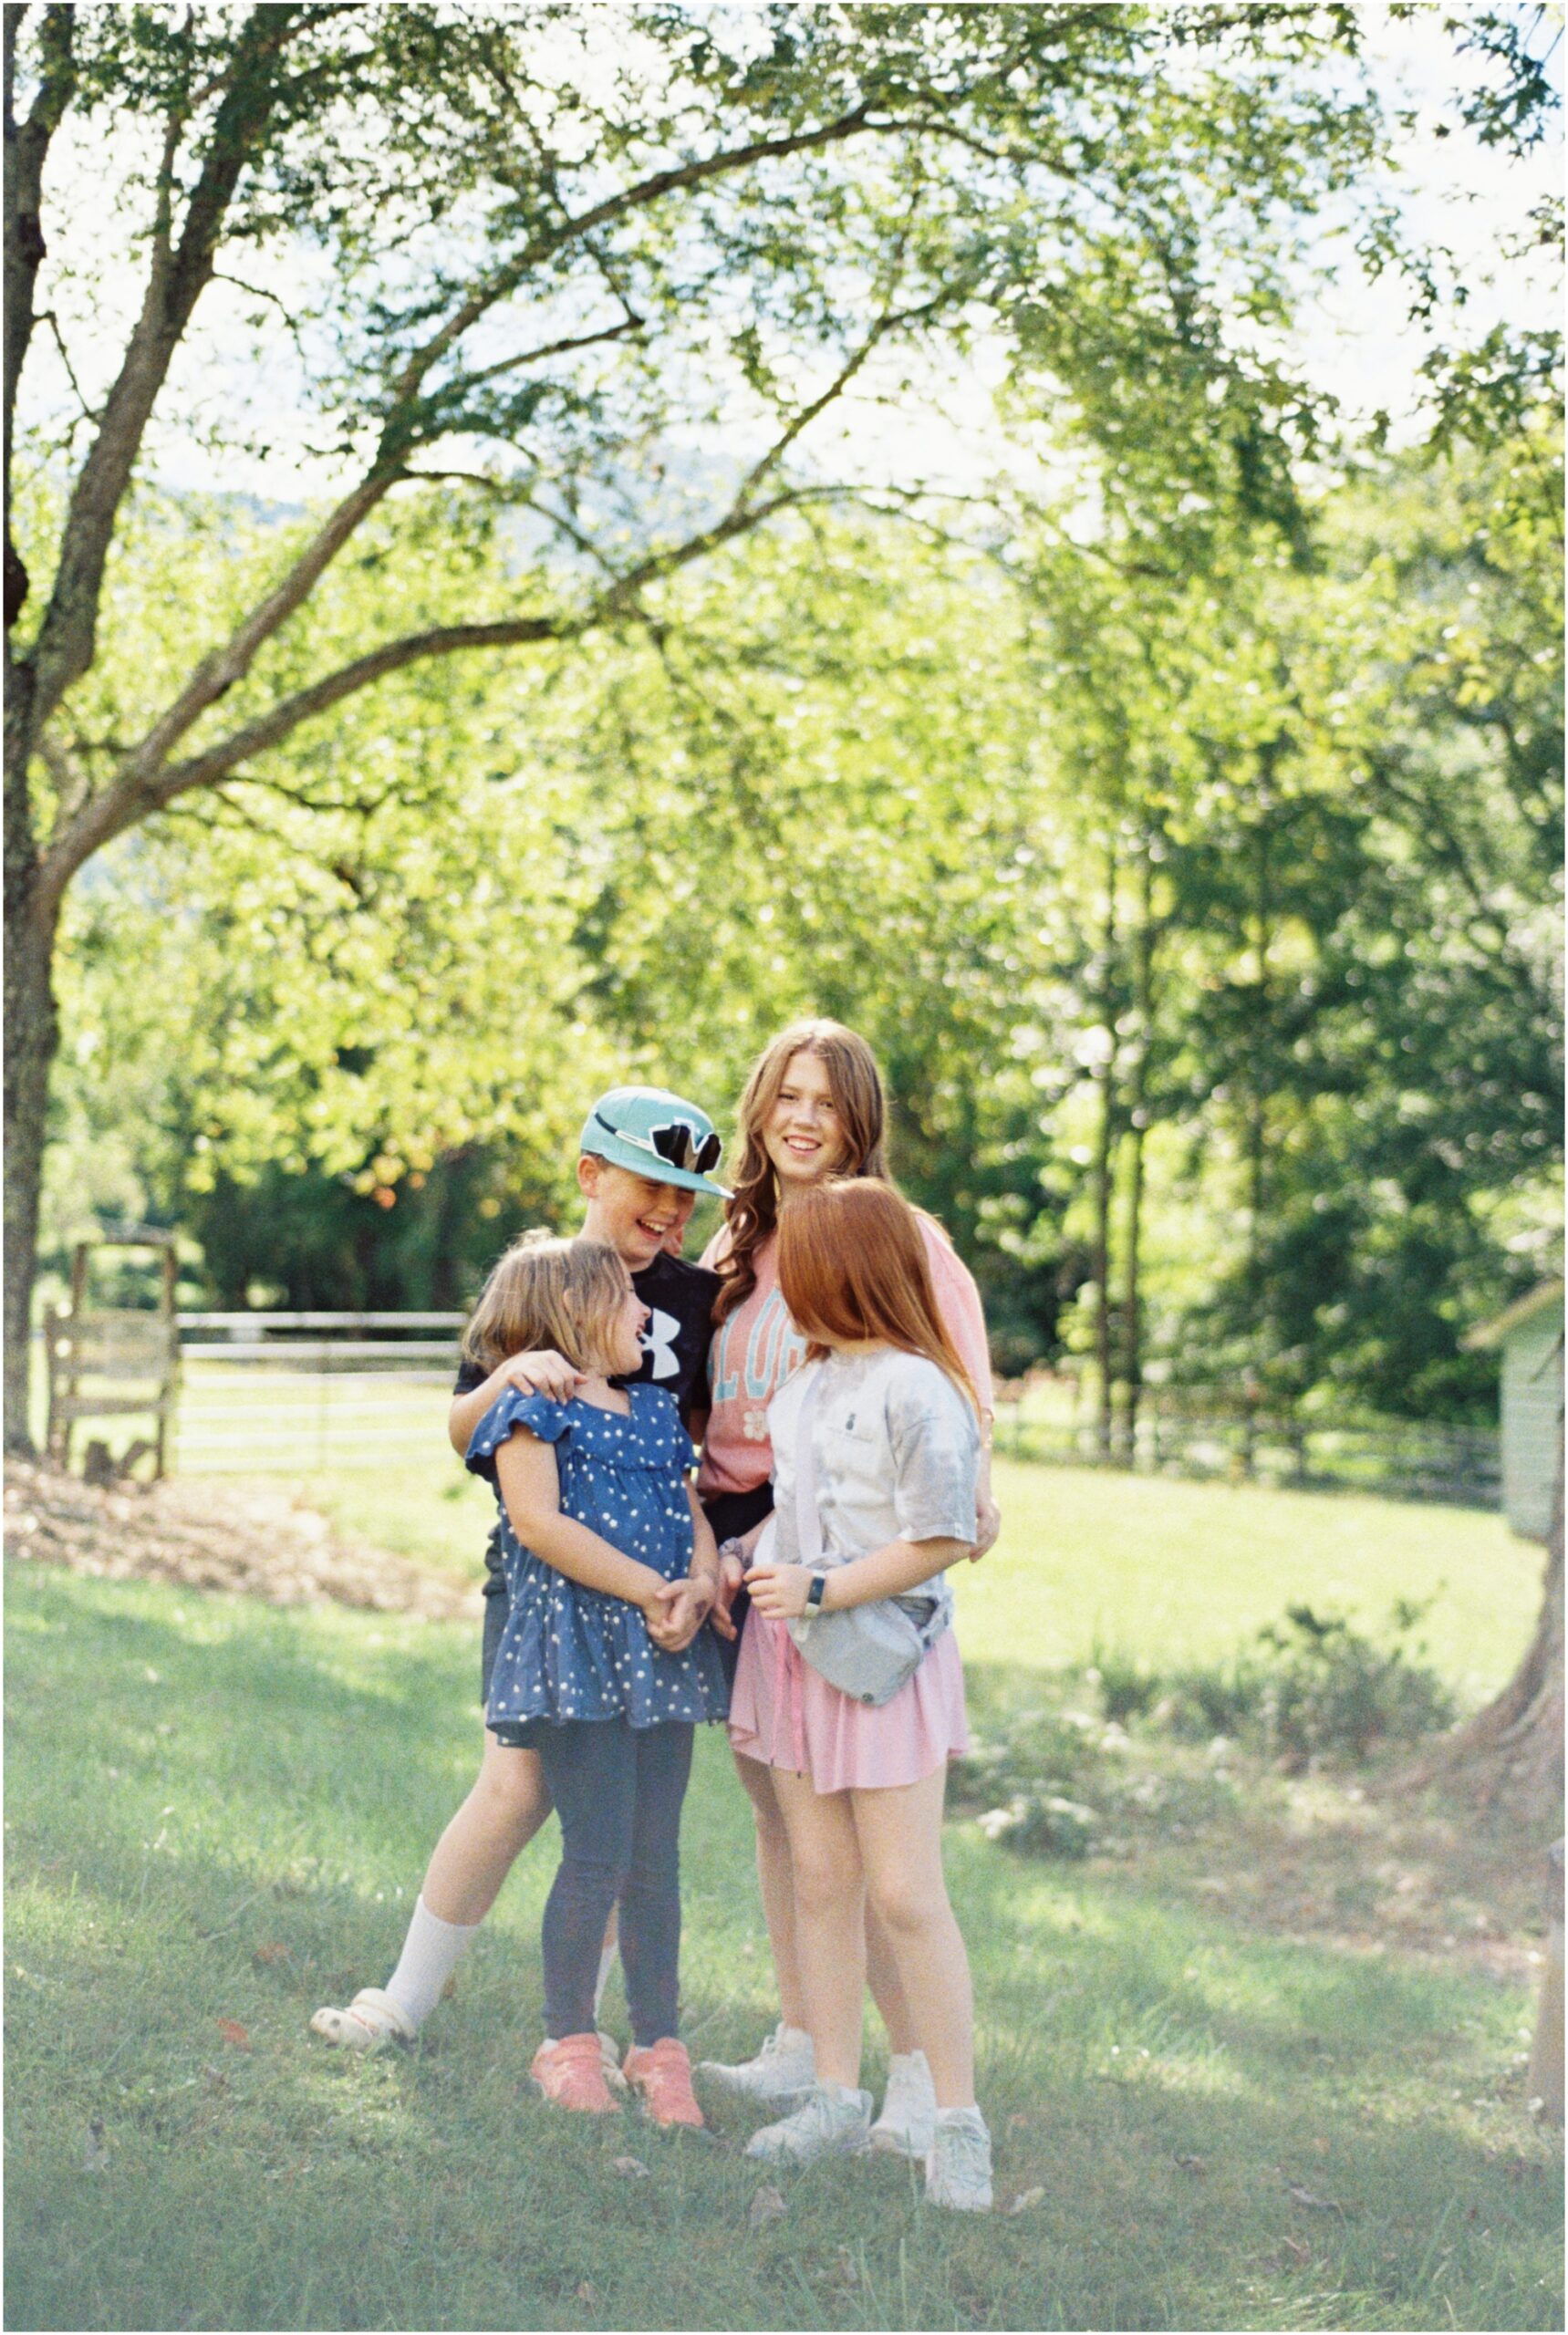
(831, 2121)
(781, 2071)
(958, 2170)
(906, 2125)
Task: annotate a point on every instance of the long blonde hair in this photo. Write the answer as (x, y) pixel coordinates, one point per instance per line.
(546, 1292)
(751, 1213)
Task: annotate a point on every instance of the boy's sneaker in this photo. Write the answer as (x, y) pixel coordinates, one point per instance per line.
(662, 2075)
(958, 2170)
(783, 2070)
(570, 2073)
(906, 2125)
(831, 2121)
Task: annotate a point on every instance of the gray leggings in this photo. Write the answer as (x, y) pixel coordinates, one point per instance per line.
(618, 1790)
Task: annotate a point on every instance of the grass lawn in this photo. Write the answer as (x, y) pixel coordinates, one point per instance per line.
(218, 1812)
(1166, 1570)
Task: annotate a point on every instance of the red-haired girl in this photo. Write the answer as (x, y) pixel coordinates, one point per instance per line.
(877, 1469)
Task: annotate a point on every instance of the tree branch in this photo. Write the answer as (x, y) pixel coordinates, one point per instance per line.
(179, 274)
(631, 324)
(26, 150)
(219, 671)
(138, 789)
(505, 279)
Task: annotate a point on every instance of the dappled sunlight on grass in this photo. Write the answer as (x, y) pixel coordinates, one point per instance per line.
(279, 1780)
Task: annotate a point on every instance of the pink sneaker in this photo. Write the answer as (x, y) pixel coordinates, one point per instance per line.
(662, 2073)
(571, 2074)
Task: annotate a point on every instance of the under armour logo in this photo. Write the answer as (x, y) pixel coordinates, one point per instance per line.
(659, 1344)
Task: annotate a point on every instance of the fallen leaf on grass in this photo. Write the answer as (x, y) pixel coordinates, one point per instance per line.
(232, 2032)
(586, 2292)
(1194, 2164)
(95, 2153)
(1297, 2248)
(1304, 2197)
(630, 2168)
(270, 1954)
(766, 2207)
(1024, 2199)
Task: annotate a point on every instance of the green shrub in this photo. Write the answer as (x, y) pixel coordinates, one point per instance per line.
(1311, 1687)
(1033, 1787)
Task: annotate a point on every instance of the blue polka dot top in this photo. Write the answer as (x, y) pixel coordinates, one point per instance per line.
(571, 1652)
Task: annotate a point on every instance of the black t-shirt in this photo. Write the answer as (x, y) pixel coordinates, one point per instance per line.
(680, 1298)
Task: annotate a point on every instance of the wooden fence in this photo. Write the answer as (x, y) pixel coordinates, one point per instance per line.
(304, 1393)
(1197, 1432)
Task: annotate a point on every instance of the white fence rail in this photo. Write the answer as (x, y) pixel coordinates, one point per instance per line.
(305, 1392)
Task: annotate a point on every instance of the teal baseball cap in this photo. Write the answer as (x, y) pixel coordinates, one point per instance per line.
(656, 1134)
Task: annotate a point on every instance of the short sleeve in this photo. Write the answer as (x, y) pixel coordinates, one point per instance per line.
(936, 1455)
(542, 1418)
(957, 1303)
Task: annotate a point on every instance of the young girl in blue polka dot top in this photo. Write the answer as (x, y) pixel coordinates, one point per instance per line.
(605, 1664)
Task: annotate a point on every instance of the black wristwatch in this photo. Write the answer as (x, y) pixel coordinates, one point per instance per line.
(816, 1592)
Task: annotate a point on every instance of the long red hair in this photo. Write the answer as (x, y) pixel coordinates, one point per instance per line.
(851, 1264)
(752, 1212)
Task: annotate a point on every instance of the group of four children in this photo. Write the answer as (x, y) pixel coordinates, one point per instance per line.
(829, 1357)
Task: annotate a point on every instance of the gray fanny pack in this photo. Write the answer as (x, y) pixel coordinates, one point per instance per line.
(868, 1651)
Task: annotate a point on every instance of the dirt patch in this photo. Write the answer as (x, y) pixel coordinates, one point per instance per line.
(205, 1534)
(1361, 1866)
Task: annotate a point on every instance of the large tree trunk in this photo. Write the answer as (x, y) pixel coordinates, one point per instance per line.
(1512, 1753)
(32, 1035)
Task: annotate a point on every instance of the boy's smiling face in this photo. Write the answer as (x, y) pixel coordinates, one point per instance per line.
(635, 1215)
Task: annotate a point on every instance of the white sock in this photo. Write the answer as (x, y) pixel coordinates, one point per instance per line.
(431, 1952)
(607, 1963)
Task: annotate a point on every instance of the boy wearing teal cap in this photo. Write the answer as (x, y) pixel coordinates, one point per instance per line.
(646, 1155)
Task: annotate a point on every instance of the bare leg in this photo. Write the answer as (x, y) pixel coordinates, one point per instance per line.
(830, 1922)
(495, 1824)
(899, 1839)
(776, 1878)
(886, 1987)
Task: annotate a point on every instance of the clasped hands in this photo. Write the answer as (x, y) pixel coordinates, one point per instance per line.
(676, 1610)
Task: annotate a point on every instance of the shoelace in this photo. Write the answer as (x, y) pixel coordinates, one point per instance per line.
(773, 2050)
(820, 2117)
(965, 2151)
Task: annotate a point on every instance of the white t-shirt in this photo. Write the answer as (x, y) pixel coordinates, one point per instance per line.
(896, 1449)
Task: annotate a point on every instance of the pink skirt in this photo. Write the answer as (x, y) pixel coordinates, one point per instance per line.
(784, 1714)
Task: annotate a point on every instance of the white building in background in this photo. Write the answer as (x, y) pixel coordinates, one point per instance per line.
(1531, 1336)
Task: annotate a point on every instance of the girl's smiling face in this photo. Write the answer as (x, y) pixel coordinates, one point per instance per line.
(623, 1336)
(803, 1135)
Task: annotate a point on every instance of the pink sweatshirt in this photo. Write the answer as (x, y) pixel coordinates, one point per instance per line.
(758, 1347)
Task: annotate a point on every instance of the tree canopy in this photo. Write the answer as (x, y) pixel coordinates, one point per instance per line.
(602, 699)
